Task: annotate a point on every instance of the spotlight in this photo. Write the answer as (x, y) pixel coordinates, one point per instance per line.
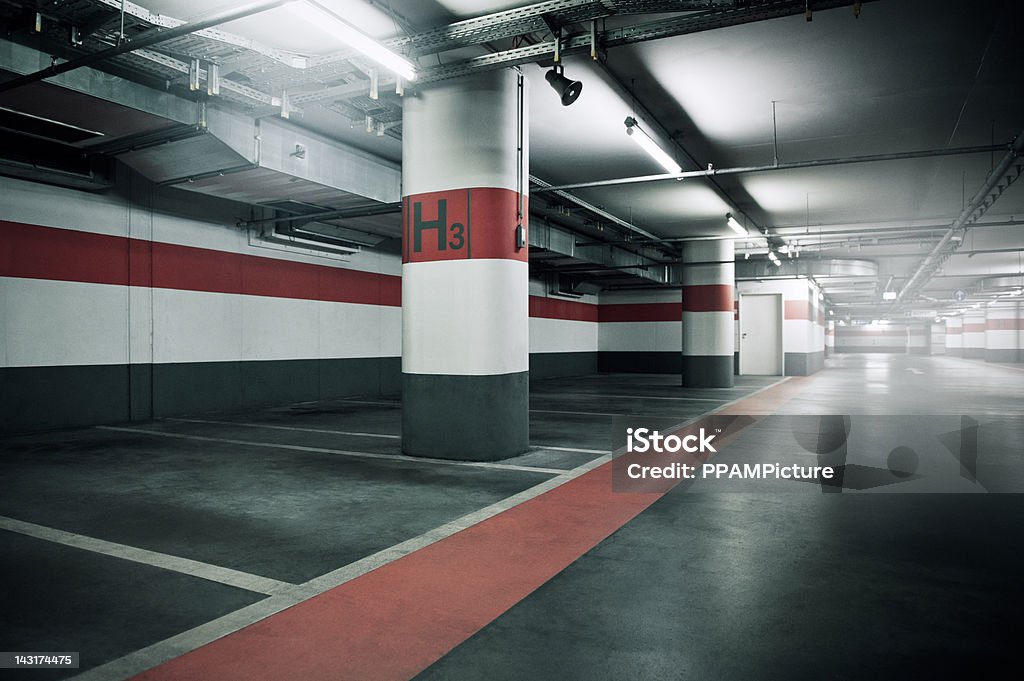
(568, 90)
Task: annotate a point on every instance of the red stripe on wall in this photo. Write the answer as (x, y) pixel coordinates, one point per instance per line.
(974, 328)
(641, 312)
(553, 308)
(1004, 324)
(477, 223)
(34, 252)
(708, 298)
(797, 309)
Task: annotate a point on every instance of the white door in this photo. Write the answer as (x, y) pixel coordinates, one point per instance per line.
(761, 334)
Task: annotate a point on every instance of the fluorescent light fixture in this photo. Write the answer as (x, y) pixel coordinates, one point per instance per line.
(317, 14)
(774, 258)
(821, 296)
(651, 147)
(889, 295)
(734, 224)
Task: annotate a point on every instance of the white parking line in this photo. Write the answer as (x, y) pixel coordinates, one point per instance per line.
(289, 428)
(341, 452)
(158, 653)
(213, 573)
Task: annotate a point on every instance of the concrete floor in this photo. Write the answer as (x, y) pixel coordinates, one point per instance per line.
(135, 544)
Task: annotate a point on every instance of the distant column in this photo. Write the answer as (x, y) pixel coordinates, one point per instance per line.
(708, 314)
(955, 336)
(1003, 328)
(974, 334)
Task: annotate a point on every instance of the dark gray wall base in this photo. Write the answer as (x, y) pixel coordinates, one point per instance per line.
(218, 386)
(973, 353)
(559, 364)
(1010, 356)
(707, 371)
(469, 418)
(803, 363)
(882, 349)
(38, 398)
(954, 352)
(640, 362)
(920, 351)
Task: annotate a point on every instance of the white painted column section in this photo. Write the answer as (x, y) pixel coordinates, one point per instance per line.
(1003, 328)
(465, 285)
(709, 280)
(974, 334)
(955, 336)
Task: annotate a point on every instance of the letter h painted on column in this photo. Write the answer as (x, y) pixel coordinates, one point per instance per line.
(440, 224)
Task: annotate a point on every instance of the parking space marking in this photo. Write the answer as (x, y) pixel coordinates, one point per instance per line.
(195, 568)
(341, 452)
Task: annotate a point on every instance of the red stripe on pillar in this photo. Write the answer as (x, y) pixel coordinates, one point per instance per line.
(708, 298)
(642, 312)
(477, 223)
(974, 328)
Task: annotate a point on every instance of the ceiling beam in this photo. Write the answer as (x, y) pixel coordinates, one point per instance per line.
(999, 179)
(721, 17)
(152, 38)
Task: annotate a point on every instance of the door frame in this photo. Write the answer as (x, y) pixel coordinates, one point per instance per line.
(781, 334)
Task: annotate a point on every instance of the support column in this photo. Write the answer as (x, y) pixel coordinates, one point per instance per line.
(974, 334)
(1003, 328)
(954, 336)
(708, 326)
(465, 280)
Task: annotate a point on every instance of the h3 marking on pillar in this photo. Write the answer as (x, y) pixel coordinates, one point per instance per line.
(440, 225)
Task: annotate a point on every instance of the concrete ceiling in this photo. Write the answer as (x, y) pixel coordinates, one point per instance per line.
(906, 76)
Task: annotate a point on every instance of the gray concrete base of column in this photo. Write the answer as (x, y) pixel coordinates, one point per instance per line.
(468, 418)
(973, 353)
(954, 352)
(708, 371)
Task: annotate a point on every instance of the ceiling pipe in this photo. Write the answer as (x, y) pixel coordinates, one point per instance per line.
(977, 206)
(793, 165)
(153, 38)
(536, 181)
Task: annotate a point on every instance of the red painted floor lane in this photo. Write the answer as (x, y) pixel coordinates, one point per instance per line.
(392, 623)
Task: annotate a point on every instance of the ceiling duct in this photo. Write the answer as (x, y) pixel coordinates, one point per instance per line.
(196, 146)
(636, 261)
(820, 269)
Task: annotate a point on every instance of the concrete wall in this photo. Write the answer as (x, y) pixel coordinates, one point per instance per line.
(641, 331)
(563, 334)
(146, 302)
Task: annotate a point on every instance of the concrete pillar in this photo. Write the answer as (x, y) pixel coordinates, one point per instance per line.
(708, 326)
(830, 338)
(938, 331)
(955, 336)
(465, 279)
(1003, 329)
(974, 334)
